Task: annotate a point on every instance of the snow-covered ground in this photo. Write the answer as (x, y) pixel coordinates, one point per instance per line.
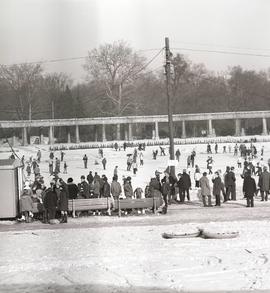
(135, 258)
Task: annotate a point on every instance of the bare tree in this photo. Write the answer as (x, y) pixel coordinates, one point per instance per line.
(113, 67)
(23, 80)
(54, 85)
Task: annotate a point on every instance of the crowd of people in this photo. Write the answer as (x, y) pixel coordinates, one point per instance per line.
(52, 200)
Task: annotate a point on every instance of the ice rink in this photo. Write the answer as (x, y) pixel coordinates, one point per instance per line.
(128, 254)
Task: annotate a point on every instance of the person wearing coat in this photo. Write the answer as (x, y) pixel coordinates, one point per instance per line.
(26, 203)
(104, 162)
(217, 188)
(264, 184)
(165, 190)
(230, 184)
(116, 188)
(186, 184)
(73, 189)
(106, 187)
(180, 186)
(205, 190)
(96, 188)
(63, 201)
(128, 188)
(50, 202)
(84, 189)
(249, 189)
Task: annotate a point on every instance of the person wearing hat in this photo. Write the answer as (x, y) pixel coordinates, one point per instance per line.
(249, 189)
(205, 190)
(264, 184)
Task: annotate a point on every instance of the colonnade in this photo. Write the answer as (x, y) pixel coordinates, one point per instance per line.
(128, 131)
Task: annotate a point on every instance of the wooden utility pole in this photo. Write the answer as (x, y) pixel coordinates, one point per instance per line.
(170, 118)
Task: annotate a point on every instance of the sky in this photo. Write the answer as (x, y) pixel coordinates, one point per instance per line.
(40, 30)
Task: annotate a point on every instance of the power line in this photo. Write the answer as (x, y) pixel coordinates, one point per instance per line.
(69, 58)
(222, 52)
(148, 63)
(221, 46)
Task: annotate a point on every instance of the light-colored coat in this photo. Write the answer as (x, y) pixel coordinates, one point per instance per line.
(205, 186)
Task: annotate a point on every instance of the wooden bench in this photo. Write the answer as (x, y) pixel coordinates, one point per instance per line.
(143, 203)
(89, 204)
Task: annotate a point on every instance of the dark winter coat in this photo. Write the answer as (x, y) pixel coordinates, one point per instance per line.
(249, 186)
(84, 189)
(63, 200)
(128, 190)
(230, 179)
(165, 188)
(217, 186)
(50, 199)
(106, 189)
(73, 190)
(264, 181)
(186, 181)
(180, 183)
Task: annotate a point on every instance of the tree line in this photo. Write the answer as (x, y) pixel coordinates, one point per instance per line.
(119, 83)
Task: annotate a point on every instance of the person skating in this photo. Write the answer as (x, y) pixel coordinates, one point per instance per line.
(104, 162)
(177, 155)
(197, 177)
(85, 160)
(209, 166)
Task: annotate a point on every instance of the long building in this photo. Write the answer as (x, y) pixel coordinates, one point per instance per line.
(127, 123)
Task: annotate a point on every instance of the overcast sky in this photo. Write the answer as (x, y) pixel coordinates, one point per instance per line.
(33, 30)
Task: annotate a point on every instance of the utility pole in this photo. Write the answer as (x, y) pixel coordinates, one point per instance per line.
(170, 118)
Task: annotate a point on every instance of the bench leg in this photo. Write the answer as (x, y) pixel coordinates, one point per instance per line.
(119, 208)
